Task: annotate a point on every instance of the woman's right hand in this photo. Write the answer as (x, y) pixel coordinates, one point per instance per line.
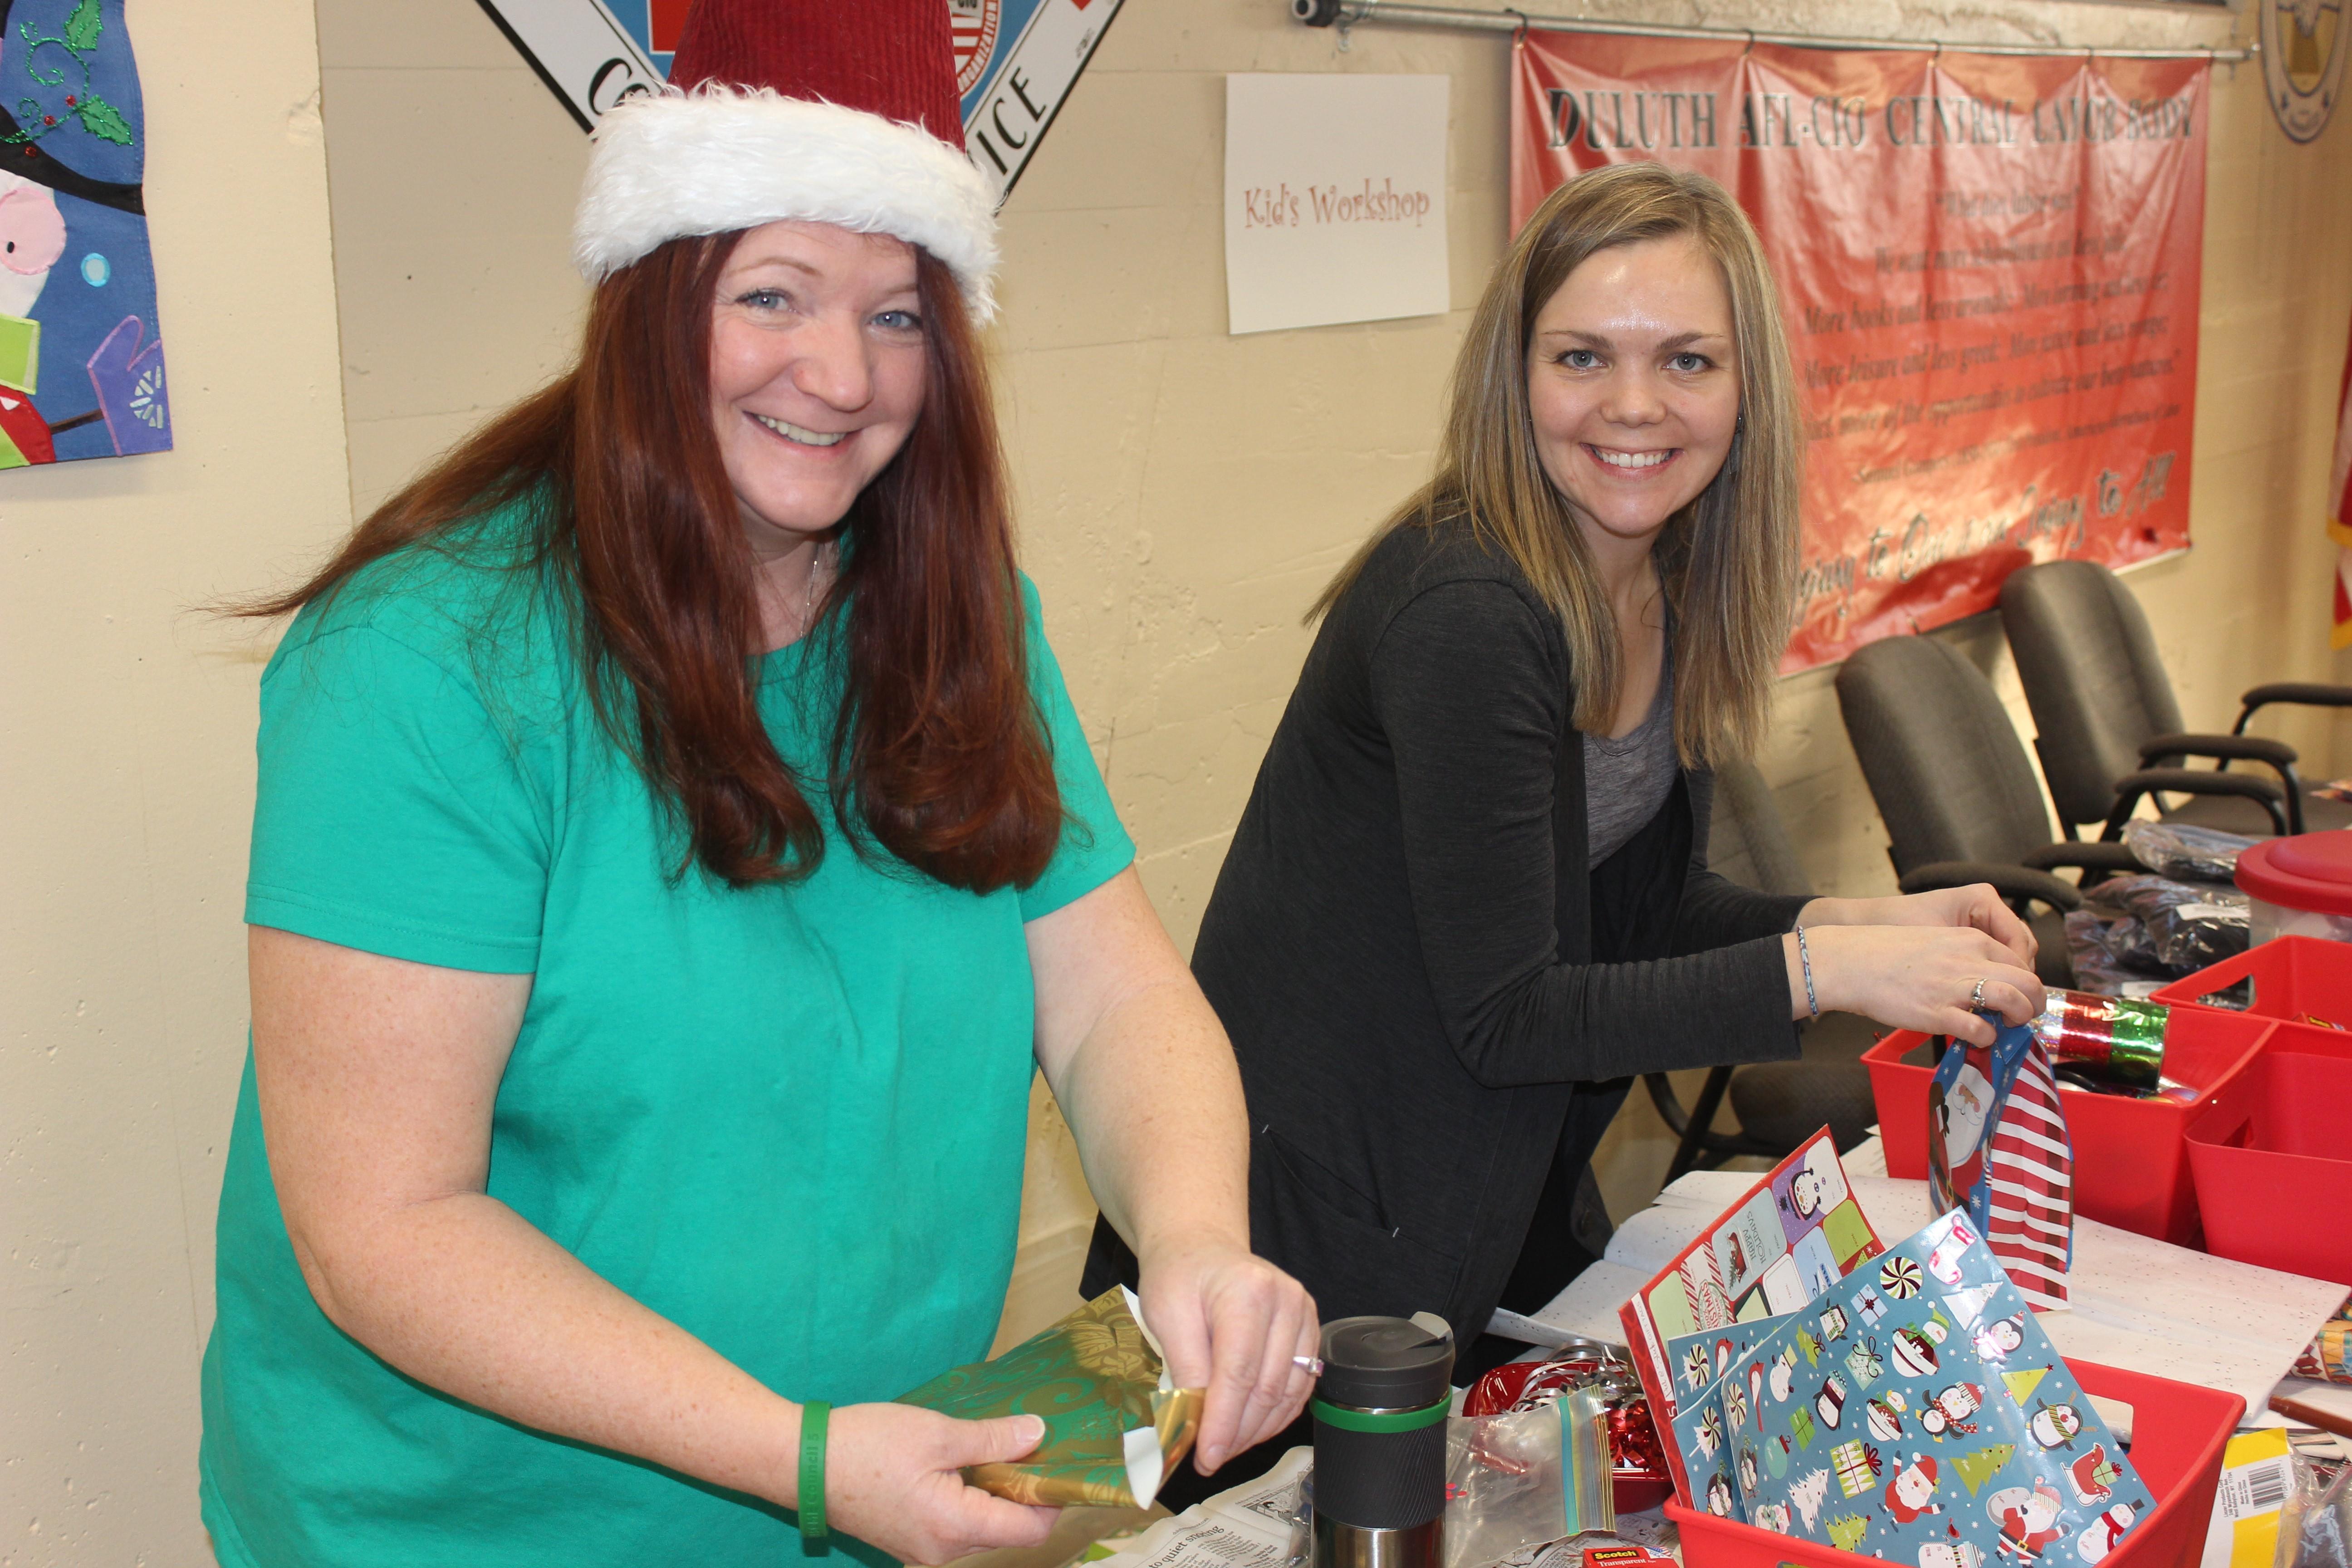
(893, 1478)
(1913, 977)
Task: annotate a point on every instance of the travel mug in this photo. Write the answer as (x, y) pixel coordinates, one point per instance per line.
(1380, 1442)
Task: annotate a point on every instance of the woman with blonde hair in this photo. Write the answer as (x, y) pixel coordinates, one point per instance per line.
(1469, 898)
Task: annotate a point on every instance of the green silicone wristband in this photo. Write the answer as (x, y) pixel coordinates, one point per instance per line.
(1382, 1420)
(813, 1416)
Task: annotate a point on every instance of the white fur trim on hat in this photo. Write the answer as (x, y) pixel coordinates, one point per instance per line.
(673, 163)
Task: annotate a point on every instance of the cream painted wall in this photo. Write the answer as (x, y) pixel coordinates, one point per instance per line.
(126, 785)
(1184, 493)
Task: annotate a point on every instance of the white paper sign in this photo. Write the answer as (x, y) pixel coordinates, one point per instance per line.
(1335, 199)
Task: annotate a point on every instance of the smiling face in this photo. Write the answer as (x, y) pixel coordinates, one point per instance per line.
(817, 369)
(1634, 386)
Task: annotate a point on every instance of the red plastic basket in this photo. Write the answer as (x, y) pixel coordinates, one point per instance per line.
(2131, 1158)
(2293, 976)
(2178, 1434)
(2271, 1161)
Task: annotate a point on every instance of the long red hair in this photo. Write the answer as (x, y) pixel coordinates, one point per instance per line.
(939, 754)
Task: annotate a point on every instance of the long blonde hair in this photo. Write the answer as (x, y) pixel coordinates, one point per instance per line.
(1727, 560)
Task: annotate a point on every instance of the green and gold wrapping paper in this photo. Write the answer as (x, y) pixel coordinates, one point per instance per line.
(1114, 1427)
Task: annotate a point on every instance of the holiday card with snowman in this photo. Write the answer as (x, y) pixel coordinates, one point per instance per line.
(1917, 1413)
(82, 367)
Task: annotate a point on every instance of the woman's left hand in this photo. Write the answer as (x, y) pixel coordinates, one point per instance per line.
(1976, 905)
(1230, 1322)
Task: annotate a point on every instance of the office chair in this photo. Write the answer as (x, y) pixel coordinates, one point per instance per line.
(2110, 728)
(1955, 789)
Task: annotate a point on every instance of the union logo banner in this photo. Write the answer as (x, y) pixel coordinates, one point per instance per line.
(1990, 266)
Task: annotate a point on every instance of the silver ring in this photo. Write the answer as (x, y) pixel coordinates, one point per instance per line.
(1976, 997)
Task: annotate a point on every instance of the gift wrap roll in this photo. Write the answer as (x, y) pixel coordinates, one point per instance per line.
(2119, 1039)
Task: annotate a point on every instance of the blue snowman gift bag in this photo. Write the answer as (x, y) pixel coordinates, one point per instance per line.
(1917, 1413)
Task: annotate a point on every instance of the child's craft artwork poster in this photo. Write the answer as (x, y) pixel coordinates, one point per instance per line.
(82, 364)
(1916, 1413)
(1793, 1236)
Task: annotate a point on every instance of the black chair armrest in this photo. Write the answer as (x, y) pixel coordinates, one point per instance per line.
(2113, 859)
(2305, 693)
(2199, 781)
(2155, 752)
(2009, 880)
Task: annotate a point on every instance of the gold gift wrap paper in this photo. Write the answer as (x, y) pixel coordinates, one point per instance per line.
(1114, 1426)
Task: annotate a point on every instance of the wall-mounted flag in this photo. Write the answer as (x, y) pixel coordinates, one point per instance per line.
(82, 367)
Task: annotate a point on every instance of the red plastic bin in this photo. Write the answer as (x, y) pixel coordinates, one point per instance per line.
(2178, 1434)
(2131, 1158)
(2272, 1160)
(2293, 976)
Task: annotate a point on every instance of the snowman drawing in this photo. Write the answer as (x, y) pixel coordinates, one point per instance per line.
(1884, 1418)
(1771, 1516)
(1719, 1496)
(32, 238)
(2107, 1530)
(1782, 1378)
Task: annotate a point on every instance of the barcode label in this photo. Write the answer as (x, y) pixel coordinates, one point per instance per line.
(2255, 1488)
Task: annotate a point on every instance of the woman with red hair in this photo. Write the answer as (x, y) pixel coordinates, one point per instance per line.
(674, 852)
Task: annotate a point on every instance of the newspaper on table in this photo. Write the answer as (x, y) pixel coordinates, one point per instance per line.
(1266, 1523)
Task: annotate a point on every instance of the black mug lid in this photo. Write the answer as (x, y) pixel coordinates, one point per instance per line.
(1386, 1364)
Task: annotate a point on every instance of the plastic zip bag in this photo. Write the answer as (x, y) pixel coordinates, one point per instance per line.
(2187, 925)
(2176, 849)
(2316, 1526)
(1527, 1476)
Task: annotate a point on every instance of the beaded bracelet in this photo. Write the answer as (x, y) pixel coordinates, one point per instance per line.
(814, 1418)
(1806, 959)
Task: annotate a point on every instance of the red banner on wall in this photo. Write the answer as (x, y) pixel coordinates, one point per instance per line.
(1990, 267)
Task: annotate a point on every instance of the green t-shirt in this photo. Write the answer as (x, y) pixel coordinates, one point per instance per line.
(789, 1118)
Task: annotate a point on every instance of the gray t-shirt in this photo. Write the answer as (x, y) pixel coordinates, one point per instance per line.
(1626, 780)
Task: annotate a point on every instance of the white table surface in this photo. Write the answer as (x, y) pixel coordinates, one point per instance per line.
(2138, 1303)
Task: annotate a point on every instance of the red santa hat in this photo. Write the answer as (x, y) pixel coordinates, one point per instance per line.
(832, 112)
